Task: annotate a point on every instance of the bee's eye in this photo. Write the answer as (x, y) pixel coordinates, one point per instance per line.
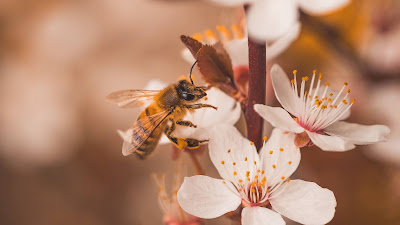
(186, 96)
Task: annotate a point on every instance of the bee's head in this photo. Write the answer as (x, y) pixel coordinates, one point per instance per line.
(190, 92)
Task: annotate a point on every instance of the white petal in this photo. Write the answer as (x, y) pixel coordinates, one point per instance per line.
(231, 2)
(359, 134)
(282, 88)
(164, 140)
(305, 202)
(278, 118)
(277, 163)
(187, 56)
(280, 45)
(261, 216)
(227, 137)
(206, 197)
(330, 143)
(318, 7)
(228, 112)
(270, 19)
(238, 51)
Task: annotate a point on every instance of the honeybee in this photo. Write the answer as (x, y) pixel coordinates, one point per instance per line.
(166, 110)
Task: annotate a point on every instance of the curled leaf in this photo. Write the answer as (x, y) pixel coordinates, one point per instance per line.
(192, 44)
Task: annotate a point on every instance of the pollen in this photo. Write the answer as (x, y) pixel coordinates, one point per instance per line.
(253, 190)
(255, 177)
(305, 78)
(292, 81)
(306, 92)
(229, 151)
(327, 84)
(258, 171)
(262, 172)
(247, 173)
(274, 166)
(348, 90)
(345, 83)
(248, 179)
(240, 181)
(141, 103)
(205, 98)
(255, 163)
(290, 162)
(234, 163)
(234, 173)
(320, 76)
(251, 143)
(314, 71)
(281, 149)
(270, 152)
(329, 100)
(222, 162)
(283, 177)
(223, 182)
(265, 138)
(294, 72)
(245, 159)
(331, 94)
(353, 100)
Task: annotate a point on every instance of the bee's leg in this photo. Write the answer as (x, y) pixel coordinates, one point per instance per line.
(181, 142)
(185, 123)
(200, 105)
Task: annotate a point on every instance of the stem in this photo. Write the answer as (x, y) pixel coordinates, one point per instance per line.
(196, 163)
(257, 80)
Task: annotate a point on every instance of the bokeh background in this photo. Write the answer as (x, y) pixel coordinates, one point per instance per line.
(60, 155)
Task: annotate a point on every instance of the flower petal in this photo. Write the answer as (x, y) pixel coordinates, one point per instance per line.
(282, 88)
(228, 145)
(280, 45)
(280, 157)
(228, 112)
(305, 202)
(207, 197)
(359, 134)
(238, 51)
(330, 143)
(278, 118)
(187, 56)
(261, 216)
(270, 19)
(318, 7)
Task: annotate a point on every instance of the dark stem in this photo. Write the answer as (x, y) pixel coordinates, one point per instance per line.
(257, 80)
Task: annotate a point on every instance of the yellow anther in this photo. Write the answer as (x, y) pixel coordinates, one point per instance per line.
(251, 143)
(335, 106)
(265, 138)
(283, 177)
(255, 177)
(234, 173)
(238, 31)
(247, 173)
(258, 171)
(222, 162)
(224, 182)
(327, 84)
(287, 180)
(314, 71)
(348, 90)
(292, 81)
(206, 98)
(253, 190)
(255, 163)
(329, 100)
(245, 159)
(306, 92)
(290, 162)
(320, 76)
(253, 184)
(234, 163)
(294, 72)
(260, 184)
(229, 151)
(274, 166)
(344, 101)
(281, 149)
(240, 181)
(264, 179)
(224, 31)
(345, 83)
(305, 78)
(248, 179)
(210, 34)
(353, 100)
(270, 152)
(197, 36)
(331, 94)
(262, 172)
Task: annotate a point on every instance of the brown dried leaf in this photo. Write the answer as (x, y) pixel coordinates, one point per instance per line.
(215, 68)
(192, 44)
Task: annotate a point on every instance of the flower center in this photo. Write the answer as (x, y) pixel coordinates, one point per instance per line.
(318, 108)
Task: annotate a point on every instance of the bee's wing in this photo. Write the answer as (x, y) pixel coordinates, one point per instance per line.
(141, 131)
(131, 98)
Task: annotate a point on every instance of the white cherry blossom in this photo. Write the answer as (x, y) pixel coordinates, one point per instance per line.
(269, 20)
(317, 113)
(258, 182)
(228, 112)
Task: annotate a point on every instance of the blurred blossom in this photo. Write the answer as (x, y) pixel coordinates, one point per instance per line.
(317, 114)
(382, 96)
(257, 182)
(40, 124)
(172, 212)
(228, 112)
(269, 20)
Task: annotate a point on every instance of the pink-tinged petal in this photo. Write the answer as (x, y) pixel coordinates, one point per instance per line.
(280, 45)
(330, 143)
(359, 134)
(282, 88)
(207, 197)
(278, 118)
(305, 202)
(268, 20)
(318, 7)
(238, 51)
(280, 157)
(261, 216)
(231, 2)
(227, 145)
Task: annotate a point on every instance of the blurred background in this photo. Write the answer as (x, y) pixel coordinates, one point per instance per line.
(60, 155)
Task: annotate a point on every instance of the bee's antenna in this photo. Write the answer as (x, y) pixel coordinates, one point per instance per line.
(190, 76)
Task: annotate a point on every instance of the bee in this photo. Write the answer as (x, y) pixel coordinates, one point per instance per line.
(167, 109)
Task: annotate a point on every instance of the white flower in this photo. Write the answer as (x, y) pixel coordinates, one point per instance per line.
(259, 182)
(317, 113)
(235, 42)
(228, 112)
(270, 19)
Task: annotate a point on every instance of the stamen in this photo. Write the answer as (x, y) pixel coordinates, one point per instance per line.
(251, 143)
(270, 152)
(222, 162)
(281, 149)
(274, 166)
